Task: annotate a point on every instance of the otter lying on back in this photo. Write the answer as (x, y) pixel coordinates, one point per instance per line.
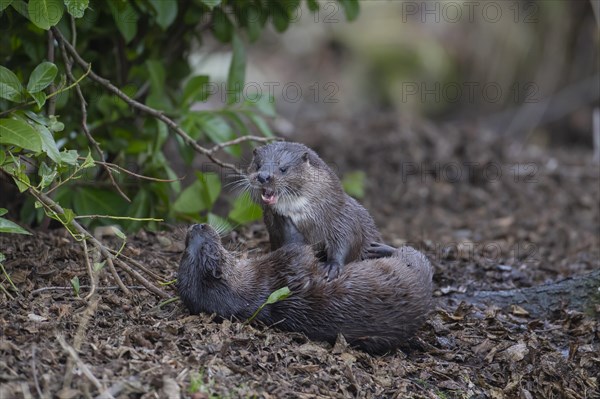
(376, 304)
(290, 180)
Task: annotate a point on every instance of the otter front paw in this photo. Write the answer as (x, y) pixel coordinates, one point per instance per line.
(332, 270)
(379, 250)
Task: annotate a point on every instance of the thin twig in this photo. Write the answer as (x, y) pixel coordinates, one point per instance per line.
(91, 273)
(113, 271)
(34, 372)
(105, 288)
(139, 266)
(118, 218)
(79, 337)
(54, 207)
(82, 366)
(146, 109)
(151, 287)
(127, 171)
(84, 126)
(239, 140)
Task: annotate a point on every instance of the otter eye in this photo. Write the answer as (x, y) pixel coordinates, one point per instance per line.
(258, 165)
(283, 169)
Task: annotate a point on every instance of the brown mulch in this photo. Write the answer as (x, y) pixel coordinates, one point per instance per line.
(516, 230)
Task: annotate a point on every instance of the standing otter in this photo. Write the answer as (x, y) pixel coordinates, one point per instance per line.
(376, 304)
(290, 180)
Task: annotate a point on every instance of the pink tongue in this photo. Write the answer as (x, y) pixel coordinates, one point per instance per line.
(269, 199)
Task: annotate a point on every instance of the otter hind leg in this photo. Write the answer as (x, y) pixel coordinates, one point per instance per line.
(379, 250)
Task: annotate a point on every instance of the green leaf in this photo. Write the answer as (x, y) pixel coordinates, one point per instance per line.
(75, 285)
(69, 157)
(222, 26)
(48, 144)
(76, 7)
(21, 134)
(166, 12)
(195, 90)
(64, 218)
(140, 208)
(10, 87)
(45, 13)
(354, 183)
(210, 3)
(219, 131)
(313, 5)
(278, 295)
(281, 19)
(265, 104)
(6, 226)
(260, 123)
(4, 4)
(39, 98)
(157, 76)
(47, 174)
(237, 71)
(88, 162)
(41, 77)
(190, 200)
(55, 125)
(215, 127)
(3, 211)
(99, 265)
(125, 17)
(254, 22)
(211, 187)
(2, 157)
(200, 195)
(351, 8)
(21, 7)
(94, 201)
(245, 210)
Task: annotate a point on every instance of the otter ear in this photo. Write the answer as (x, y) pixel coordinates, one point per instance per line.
(305, 157)
(211, 265)
(255, 151)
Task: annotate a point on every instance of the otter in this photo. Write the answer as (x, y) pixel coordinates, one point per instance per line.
(377, 304)
(291, 180)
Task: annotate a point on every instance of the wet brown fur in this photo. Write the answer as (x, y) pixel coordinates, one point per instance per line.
(376, 304)
(311, 195)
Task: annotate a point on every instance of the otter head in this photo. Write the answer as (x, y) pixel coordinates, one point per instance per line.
(203, 252)
(280, 171)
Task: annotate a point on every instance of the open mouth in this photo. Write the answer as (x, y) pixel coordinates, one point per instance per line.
(268, 196)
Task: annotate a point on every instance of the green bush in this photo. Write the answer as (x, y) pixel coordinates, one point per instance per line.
(76, 154)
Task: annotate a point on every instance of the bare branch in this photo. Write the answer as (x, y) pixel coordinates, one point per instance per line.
(146, 109)
(84, 127)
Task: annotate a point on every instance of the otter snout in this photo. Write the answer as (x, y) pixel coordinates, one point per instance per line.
(264, 177)
(198, 234)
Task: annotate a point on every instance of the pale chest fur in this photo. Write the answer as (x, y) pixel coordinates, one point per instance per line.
(296, 209)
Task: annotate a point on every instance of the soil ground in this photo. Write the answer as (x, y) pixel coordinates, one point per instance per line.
(489, 213)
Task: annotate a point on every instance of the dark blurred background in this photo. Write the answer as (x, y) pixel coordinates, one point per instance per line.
(527, 70)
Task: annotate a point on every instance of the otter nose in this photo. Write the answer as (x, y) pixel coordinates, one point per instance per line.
(264, 177)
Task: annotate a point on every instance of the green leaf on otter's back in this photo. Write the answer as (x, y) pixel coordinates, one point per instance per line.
(278, 295)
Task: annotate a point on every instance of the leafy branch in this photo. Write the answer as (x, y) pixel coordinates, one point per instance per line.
(157, 114)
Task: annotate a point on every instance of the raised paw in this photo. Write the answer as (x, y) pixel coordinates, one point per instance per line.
(332, 270)
(379, 250)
